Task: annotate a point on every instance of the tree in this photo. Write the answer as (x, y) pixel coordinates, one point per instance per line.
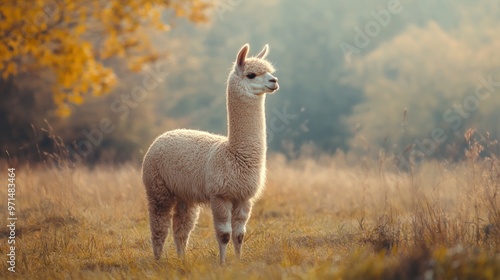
(73, 40)
(425, 88)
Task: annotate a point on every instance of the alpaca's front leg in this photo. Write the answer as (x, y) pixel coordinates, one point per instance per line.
(221, 210)
(240, 216)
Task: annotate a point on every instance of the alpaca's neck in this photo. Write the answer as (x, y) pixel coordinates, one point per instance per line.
(246, 125)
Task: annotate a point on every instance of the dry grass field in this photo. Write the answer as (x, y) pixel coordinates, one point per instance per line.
(318, 219)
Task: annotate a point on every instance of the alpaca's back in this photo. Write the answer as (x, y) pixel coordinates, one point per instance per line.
(179, 157)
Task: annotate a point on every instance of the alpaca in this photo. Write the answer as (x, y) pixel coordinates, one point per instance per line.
(184, 169)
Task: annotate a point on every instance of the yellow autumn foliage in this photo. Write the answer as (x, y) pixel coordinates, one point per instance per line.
(72, 38)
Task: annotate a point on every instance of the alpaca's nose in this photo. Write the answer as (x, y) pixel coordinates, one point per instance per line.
(273, 80)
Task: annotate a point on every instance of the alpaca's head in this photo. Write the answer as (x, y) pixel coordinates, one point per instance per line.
(252, 76)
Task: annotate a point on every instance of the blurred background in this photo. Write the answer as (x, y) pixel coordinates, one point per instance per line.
(99, 80)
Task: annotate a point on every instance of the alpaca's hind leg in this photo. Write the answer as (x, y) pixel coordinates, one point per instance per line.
(160, 216)
(221, 210)
(240, 216)
(184, 220)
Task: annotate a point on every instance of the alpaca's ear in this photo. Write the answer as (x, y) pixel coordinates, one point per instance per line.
(264, 52)
(240, 59)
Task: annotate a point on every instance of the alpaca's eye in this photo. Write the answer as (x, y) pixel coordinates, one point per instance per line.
(251, 75)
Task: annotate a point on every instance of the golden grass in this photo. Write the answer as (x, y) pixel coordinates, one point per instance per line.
(318, 218)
